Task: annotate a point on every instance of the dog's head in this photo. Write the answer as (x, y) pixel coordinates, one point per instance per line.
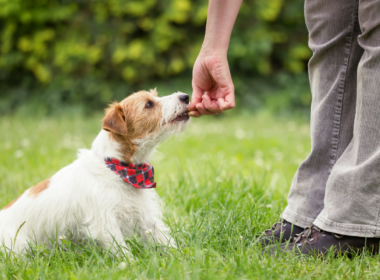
(143, 119)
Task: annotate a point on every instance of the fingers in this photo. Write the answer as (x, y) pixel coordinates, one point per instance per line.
(225, 104)
(194, 114)
(222, 103)
(202, 104)
(196, 97)
(230, 98)
(211, 105)
(203, 111)
(228, 102)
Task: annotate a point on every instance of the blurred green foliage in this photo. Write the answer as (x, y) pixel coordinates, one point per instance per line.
(91, 52)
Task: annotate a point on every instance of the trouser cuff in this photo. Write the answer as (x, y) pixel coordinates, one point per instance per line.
(296, 219)
(347, 229)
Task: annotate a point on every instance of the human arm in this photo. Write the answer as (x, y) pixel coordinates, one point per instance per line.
(211, 73)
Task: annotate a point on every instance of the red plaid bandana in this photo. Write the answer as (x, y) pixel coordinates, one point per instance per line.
(140, 176)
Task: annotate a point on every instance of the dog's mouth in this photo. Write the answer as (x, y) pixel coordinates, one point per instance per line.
(181, 117)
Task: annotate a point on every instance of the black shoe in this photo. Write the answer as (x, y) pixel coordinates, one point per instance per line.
(314, 241)
(280, 232)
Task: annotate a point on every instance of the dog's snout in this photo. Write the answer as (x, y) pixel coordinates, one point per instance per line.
(184, 98)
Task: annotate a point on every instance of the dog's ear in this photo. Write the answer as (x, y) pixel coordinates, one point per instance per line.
(114, 120)
(154, 92)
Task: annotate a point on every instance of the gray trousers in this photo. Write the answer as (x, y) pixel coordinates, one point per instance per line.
(337, 187)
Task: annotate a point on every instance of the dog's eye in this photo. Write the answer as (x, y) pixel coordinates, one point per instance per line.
(149, 105)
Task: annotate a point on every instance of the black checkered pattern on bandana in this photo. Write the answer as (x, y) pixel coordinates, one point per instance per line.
(140, 176)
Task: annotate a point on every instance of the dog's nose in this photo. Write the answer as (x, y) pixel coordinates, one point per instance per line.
(184, 98)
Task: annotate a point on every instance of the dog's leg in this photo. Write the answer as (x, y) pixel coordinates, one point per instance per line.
(160, 234)
(115, 242)
(111, 239)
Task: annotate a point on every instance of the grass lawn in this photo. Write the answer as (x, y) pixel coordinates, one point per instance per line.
(222, 182)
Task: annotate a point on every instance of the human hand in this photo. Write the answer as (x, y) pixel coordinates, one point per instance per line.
(211, 75)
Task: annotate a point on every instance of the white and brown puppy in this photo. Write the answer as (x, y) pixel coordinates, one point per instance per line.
(88, 198)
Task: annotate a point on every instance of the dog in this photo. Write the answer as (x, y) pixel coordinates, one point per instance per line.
(107, 194)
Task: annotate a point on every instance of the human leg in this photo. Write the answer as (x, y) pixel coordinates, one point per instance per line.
(350, 220)
(333, 29)
(352, 201)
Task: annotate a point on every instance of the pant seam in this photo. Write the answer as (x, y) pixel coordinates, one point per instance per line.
(334, 144)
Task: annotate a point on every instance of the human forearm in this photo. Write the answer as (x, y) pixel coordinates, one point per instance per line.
(220, 21)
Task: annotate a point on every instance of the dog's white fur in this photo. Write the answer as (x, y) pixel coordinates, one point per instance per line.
(86, 199)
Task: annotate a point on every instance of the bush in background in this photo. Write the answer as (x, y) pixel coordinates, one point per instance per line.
(90, 52)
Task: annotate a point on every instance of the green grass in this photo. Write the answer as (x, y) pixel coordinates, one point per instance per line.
(222, 182)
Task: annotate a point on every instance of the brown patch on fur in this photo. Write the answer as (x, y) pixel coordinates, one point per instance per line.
(114, 120)
(40, 187)
(10, 204)
(131, 119)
